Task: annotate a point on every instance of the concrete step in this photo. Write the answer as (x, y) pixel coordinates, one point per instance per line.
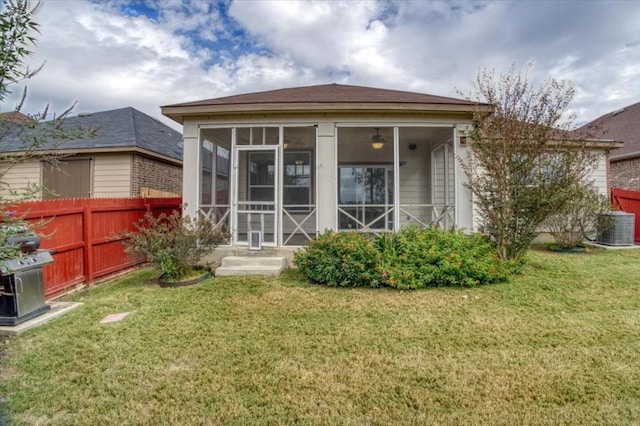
(251, 265)
(254, 261)
(228, 271)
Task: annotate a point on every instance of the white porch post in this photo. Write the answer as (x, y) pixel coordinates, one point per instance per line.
(326, 172)
(396, 178)
(463, 197)
(191, 170)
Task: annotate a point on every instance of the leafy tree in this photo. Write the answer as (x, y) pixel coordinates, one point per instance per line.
(16, 29)
(25, 137)
(524, 163)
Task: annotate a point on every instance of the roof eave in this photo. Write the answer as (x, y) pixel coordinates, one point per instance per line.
(626, 156)
(114, 150)
(604, 143)
(177, 113)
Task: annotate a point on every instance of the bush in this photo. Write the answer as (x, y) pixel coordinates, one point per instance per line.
(428, 257)
(343, 259)
(174, 243)
(581, 218)
(410, 259)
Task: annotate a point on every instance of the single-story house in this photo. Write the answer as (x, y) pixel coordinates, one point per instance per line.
(130, 155)
(274, 168)
(624, 163)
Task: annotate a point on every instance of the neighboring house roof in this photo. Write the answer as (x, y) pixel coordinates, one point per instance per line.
(621, 125)
(321, 98)
(15, 117)
(116, 130)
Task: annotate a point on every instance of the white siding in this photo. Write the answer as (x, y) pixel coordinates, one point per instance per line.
(20, 176)
(415, 183)
(112, 176)
(599, 175)
(415, 179)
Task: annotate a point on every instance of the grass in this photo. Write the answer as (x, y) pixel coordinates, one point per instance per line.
(560, 344)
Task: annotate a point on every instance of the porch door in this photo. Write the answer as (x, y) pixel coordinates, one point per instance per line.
(256, 194)
(365, 198)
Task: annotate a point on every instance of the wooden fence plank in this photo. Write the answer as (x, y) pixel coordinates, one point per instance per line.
(80, 234)
(629, 202)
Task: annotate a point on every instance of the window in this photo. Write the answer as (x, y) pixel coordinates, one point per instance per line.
(215, 167)
(261, 176)
(206, 189)
(222, 175)
(297, 180)
(365, 197)
(257, 135)
(68, 179)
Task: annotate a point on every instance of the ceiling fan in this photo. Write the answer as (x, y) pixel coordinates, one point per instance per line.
(377, 140)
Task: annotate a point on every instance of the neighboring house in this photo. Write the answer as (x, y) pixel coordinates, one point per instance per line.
(131, 155)
(624, 163)
(282, 165)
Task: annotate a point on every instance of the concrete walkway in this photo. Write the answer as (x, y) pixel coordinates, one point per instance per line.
(57, 309)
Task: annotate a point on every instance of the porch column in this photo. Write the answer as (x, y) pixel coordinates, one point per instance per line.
(464, 200)
(190, 170)
(326, 172)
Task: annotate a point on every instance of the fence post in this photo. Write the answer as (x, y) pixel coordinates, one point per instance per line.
(87, 220)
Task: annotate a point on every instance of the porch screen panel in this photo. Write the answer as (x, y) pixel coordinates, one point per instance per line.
(215, 160)
(298, 185)
(365, 178)
(415, 175)
(425, 175)
(443, 184)
(257, 136)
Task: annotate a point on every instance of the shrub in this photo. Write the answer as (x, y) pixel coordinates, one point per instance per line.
(581, 218)
(175, 243)
(424, 257)
(344, 259)
(410, 259)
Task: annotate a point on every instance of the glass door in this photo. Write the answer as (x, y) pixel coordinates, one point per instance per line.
(256, 196)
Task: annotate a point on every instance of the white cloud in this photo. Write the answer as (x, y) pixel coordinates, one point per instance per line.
(109, 55)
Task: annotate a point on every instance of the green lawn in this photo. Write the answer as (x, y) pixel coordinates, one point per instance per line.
(559, 344)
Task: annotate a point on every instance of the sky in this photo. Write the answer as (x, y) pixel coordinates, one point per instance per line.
(111, 54)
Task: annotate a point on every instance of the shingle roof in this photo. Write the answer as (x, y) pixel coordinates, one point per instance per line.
(15, 117)
(622, 125)
(125, 128)
(328, 93)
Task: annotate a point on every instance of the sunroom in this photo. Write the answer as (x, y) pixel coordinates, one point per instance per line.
(276, 168)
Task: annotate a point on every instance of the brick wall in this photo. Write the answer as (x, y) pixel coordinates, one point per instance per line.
(625, 173)
(154, 174)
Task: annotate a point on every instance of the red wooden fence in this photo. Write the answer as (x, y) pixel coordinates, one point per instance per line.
(80, 235)
(629, 202)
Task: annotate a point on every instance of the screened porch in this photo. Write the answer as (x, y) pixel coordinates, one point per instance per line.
(376, 163)
(262, 183)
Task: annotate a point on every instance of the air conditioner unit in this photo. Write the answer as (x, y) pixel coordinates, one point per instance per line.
(621, 234)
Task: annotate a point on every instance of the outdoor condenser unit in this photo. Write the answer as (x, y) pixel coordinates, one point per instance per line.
(621, 234)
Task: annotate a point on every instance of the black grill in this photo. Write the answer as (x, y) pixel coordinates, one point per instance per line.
(21, 281)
